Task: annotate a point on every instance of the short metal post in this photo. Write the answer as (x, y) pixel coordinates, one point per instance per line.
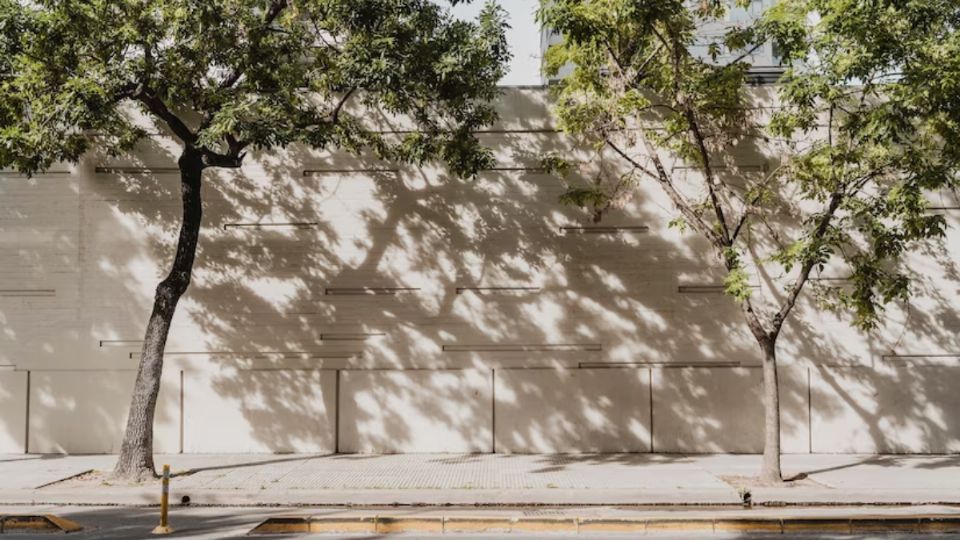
(164, 527)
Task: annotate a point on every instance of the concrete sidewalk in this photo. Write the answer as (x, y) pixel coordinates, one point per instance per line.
(486, 479)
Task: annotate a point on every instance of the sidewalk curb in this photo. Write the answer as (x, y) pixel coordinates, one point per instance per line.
(386, 524)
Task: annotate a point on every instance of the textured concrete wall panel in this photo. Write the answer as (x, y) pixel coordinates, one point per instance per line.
(388, 411)
(282, 410)
(13, 411)
(581, 410)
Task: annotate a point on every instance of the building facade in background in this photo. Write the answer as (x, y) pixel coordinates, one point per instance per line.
(349, 305)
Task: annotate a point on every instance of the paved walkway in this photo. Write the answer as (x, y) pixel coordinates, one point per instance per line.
(486, 479)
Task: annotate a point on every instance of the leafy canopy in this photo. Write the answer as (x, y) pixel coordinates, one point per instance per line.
(877, 84)
(865, 125)
(229, 75)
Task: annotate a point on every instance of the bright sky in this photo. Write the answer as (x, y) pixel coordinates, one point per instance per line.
(523, 37)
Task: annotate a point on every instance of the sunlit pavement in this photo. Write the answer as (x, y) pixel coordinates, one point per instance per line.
(487, 479)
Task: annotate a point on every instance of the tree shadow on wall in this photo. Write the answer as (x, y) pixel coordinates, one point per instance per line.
(346, 304)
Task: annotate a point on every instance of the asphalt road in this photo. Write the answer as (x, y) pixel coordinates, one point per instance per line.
(235, 522)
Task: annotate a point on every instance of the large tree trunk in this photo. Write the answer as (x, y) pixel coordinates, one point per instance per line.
(136, 452)
(770, 471)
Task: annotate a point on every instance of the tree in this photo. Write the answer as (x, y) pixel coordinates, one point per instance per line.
(863, 135)
(228, 76)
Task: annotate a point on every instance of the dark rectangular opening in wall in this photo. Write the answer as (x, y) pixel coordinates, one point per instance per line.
(350, 336)
(368, 291)
(706, 289)
(498, 290)
(137, 170)
(943, 359)
(16, 174)
(614, 365)
(372, 170)
(120, 342)
(27, 292)
(530, 170)
(294, 225)
(626, 229)
(265, 355)
(518, 347)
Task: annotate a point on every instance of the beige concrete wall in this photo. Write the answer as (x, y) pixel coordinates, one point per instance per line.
(894, 409)
(389, 411)
(284, 410)
(13, 412)
(491, 278)
(697, 410)
(84, 412)
(579, 410)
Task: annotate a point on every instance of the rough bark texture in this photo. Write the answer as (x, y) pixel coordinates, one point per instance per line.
(136, 452)
(770, 472)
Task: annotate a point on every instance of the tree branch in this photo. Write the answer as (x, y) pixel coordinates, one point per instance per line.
(336, 111)
(269, 16)
(708, 171)
(777, 322)
(661, 176)
(748, 205)
(156, 106)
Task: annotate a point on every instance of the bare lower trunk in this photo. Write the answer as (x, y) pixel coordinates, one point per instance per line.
(136, 452)
(770, 472)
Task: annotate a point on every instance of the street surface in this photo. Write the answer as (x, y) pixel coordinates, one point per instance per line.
(116, 523)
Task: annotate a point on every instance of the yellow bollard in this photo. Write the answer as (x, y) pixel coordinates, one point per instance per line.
(164, 527)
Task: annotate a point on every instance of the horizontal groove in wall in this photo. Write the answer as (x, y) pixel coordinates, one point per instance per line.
(537, 347)
(626, 229)
(706, 289)
(264, 355)
(534, 170)
(751, 168)
(120, 342)
(610, 365)
(27, 292)
(15, 174)
(375, 170)
(479, 131)
(350, 336)
(137, 170)
(922, 359)
(367, 291)
(295, 225)
(498, 290)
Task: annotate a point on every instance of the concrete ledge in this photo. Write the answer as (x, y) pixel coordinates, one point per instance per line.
(945, 523)
(386, 524)
(543, 525)
(748, 525)
(478, 524)
(37, 523)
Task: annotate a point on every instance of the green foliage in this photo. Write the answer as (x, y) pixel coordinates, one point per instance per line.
(876, 84)
(737, 284)
(553, 163)
(228, 75)
(869, 115)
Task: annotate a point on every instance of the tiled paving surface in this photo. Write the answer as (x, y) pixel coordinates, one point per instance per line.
(19, 471)
(487, 479)
(440, 471)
